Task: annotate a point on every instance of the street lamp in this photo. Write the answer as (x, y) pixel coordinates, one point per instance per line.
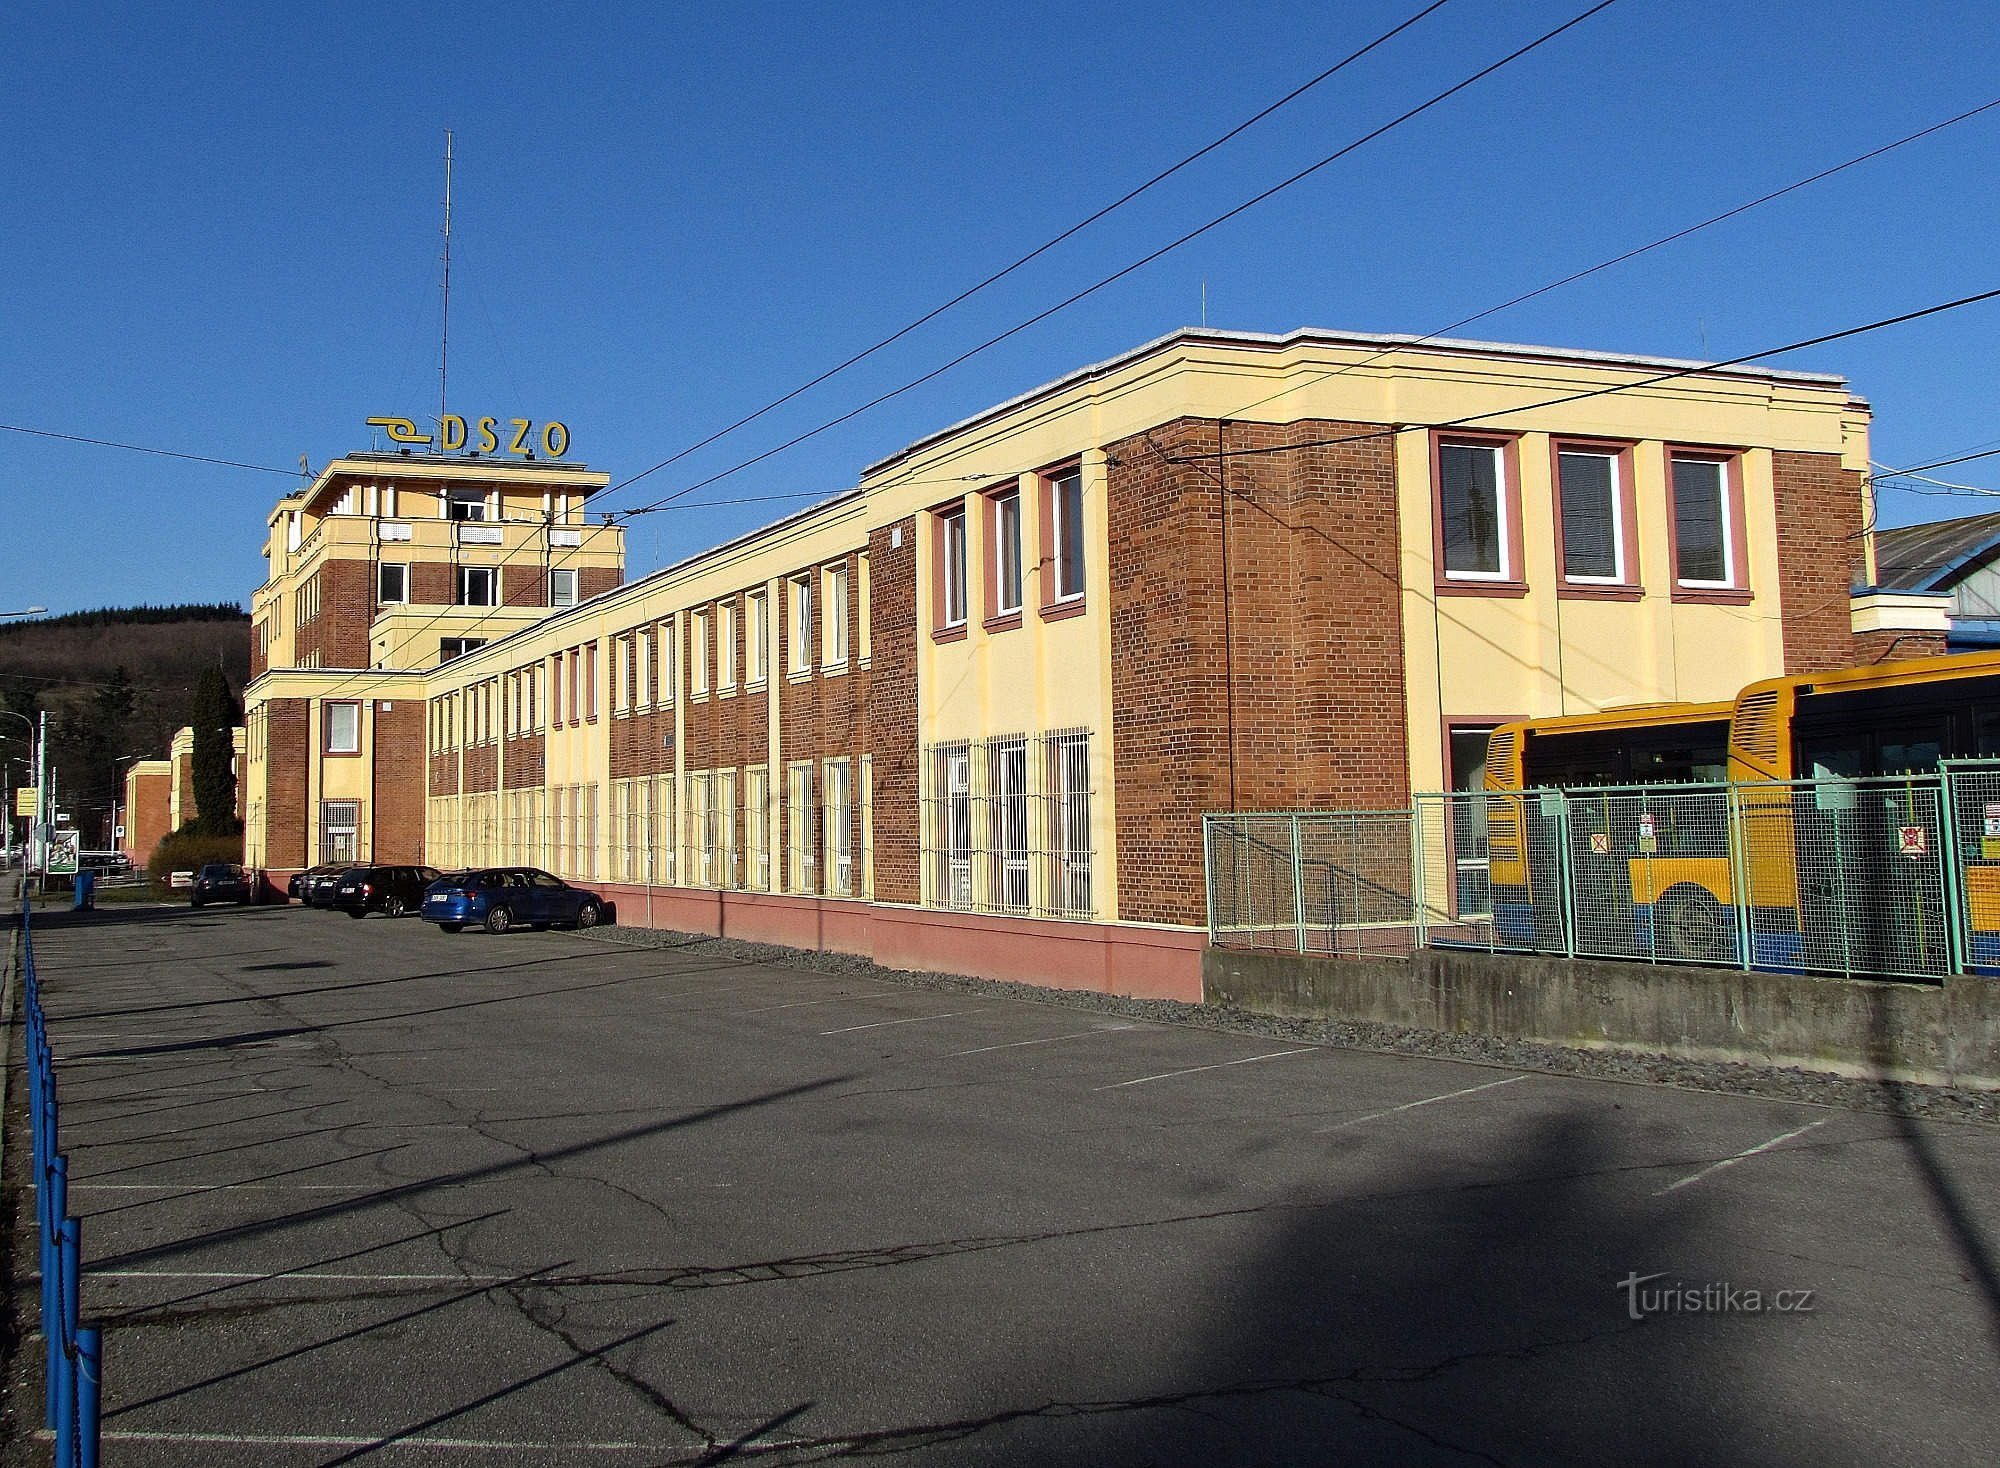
(38, 759)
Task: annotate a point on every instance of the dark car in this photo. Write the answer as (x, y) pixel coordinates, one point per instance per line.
(220, 881)
(391, 891)
(499, 898)
(319, 885)
(296, 888)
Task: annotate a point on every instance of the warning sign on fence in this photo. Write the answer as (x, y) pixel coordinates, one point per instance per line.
(1912, 841)
(1649, 839)
(1992, 818)
(1600, 843)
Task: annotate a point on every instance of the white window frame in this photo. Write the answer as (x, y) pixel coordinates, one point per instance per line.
(382, 570)
(757, 637)
(466, 577)
(833, 615)
(725, 645)
(799, 651)
(954, 600)
(1503, 529)
(698, 652)
(1725, 508)
(567, 580)
(1620, 553)
(1006, 522)
(335, 709)
(1066, 551)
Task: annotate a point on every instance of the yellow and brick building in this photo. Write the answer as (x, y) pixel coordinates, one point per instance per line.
(967, 716)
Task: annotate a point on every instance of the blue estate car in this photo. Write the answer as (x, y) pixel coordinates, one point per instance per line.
(499, 898)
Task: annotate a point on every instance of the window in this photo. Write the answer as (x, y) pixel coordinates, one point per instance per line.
(1465, 756)
(725, 645)
(799, 655)
(1066, 777)
(621, 652)
(339, 830)
(1007, 815)
(559, 695)
(698, 652)
(1594, 522)
(1004, 521)
(839, 842)
(669, 666)
(725, 829)
(1064, 551)
(756, 829)
(476, 586)
(1707, 524)
(833, 636)
(343, 728)
(951, 569)
(800, 874)
(392, 583)
(642, 672)
(465, 504)
(757, 636)
(562, 588)
(1475, 528)
(950, 821)
(590, 680)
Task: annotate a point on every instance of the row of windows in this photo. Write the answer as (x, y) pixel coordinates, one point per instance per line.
(710, 829)
(1061, 563)
(1477, 507)
(477, 586)
(1007, 824)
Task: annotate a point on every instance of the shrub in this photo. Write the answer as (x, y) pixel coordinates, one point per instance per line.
(185, 851)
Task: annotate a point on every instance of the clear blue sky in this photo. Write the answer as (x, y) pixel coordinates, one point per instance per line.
(222, 225)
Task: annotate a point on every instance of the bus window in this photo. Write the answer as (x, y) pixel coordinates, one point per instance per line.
(1900, 755)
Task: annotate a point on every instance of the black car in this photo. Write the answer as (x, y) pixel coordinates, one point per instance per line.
(220, 881)
(296, 888)
(391, 891)
(499, 898)
(317, 887)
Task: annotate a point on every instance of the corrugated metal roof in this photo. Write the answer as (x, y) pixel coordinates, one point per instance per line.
(1927, 557)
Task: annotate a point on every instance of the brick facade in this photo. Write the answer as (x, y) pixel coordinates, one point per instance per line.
(1819, 558)
(595, 580)
(397, 802)
(523, 763)
(1882, 647)
(338, 634)
(285, 813)
(148, 812)
(892, 710)
(1256, 640)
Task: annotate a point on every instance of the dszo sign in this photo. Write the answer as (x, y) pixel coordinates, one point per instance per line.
(486, 435)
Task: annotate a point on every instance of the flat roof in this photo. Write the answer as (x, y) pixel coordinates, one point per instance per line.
(1375, 341)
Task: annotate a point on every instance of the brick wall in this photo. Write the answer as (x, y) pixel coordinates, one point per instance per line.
(339, 634)
(1256, 640)
(432, 584)
(595, 579)
(523, 762)
(481, 769)
(820, 717)
(147, 813)
(1819, 508)
(1882, 647)
(399, 778)
(892, 709)
(444, 773)
(286, 753)
(524, 586)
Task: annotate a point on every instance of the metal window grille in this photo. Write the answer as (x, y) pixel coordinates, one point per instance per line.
(1007, 825)
(1005, 802)
(867, 825)
(660, 840)
(801, 863)
(757, 829)
(1067, 890)
(339, 829)
(587, 822)
(839, 842)
(726, 872)
(947, 825)
(700, 864)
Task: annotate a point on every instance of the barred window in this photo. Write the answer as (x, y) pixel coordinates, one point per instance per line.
(1007, 825)
(757, 829)
(701, 830)
(839, 842)
(726, 874)
(801, 874)
(660, 839)
(867, 827)
(339, 829)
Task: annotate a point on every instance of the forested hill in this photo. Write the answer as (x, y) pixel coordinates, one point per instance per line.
(115, 682)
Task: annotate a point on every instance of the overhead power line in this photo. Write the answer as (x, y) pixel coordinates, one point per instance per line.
(1139, 264)
(140, 448)
(1042, 249)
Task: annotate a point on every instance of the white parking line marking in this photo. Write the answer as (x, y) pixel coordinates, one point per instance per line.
(878, 1024)
(1196, 1069)
(1050, 1040)
(1413, 1105)
(1743, 1156)
(809, 1003)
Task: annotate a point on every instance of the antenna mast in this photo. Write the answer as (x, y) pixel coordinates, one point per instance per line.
(444, 329)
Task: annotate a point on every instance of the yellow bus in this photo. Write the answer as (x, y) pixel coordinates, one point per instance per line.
(1804, 854)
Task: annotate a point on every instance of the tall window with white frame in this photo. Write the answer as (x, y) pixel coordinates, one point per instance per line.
(698, 652)
(1005, 518)
(1706, 554)
(756, 828)
(1472, 511)
(1593, 529)
(801, 869)
(949, 816)
(1007, 819)
(798, 657)
(756, 636)
(562, 587)
(339, 830)
(1065, 552)
(951, 568)
(476, 586)
(392, 583)
(839, 840)
(1066, 779)
(833, 604)
(725, 644)
(723, 797)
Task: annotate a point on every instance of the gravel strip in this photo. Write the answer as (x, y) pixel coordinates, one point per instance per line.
(1778, 1083)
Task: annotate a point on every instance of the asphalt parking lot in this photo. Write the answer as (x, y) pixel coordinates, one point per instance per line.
(362, 1190)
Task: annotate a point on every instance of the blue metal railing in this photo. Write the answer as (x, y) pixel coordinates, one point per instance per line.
(75, 1350)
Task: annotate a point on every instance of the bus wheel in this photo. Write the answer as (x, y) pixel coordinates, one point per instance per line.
(1690, 924)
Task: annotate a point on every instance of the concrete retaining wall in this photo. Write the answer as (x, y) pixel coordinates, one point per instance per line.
(1945, 1034)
